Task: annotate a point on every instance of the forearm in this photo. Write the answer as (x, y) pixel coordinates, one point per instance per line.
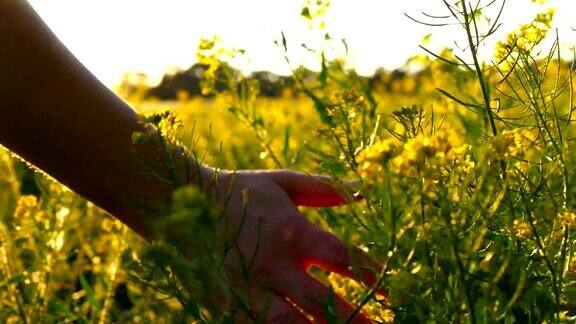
(59, 117)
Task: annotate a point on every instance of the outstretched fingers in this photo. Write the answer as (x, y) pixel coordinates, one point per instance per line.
(311, 190)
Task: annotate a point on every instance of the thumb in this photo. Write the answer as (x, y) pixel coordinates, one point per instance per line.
(313, 190)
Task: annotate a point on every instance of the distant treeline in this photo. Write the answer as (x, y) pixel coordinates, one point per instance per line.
(188, 82)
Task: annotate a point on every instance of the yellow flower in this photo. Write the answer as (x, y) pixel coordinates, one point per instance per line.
(522, 229)
(382, 315)
(523, 40)
(572, 266)
(440, 153)
(371, 161)
(519, 147)
(431, 156)
(377, 309)
(25, 205)
(517, 143)
(568, 218)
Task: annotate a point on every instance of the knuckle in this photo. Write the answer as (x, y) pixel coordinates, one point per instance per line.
(290, 228)
(288, 172)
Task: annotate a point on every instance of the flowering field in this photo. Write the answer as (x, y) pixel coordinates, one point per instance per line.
(467, 172)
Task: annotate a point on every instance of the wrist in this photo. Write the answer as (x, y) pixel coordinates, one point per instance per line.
(202, 176)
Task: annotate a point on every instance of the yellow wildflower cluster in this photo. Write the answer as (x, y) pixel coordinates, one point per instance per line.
(374, 157)
(572, 265)
(524, 39)
(518, 144)
(514, 142)
(377, 309)
(522, 229)
(431, 156)
(24, 206)
(435, 155)
(568, 218)
(345, 104)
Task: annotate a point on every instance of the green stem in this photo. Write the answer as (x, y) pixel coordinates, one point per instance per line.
(461, 268)
(479, 73)
(549, 265)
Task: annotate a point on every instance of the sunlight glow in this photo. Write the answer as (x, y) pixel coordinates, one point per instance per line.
(154, 36)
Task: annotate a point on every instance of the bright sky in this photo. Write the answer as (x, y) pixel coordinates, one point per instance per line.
(153, 36)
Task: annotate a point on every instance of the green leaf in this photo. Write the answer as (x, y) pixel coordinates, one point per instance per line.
(305, 13)
(286, 149)
(320, 106)
(471, 128)
(60, 308)
(323, 75)
(89, 292)
(426, 39)
(284, 42)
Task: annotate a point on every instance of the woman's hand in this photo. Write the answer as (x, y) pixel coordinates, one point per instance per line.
(283, 245)
(56, 115)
